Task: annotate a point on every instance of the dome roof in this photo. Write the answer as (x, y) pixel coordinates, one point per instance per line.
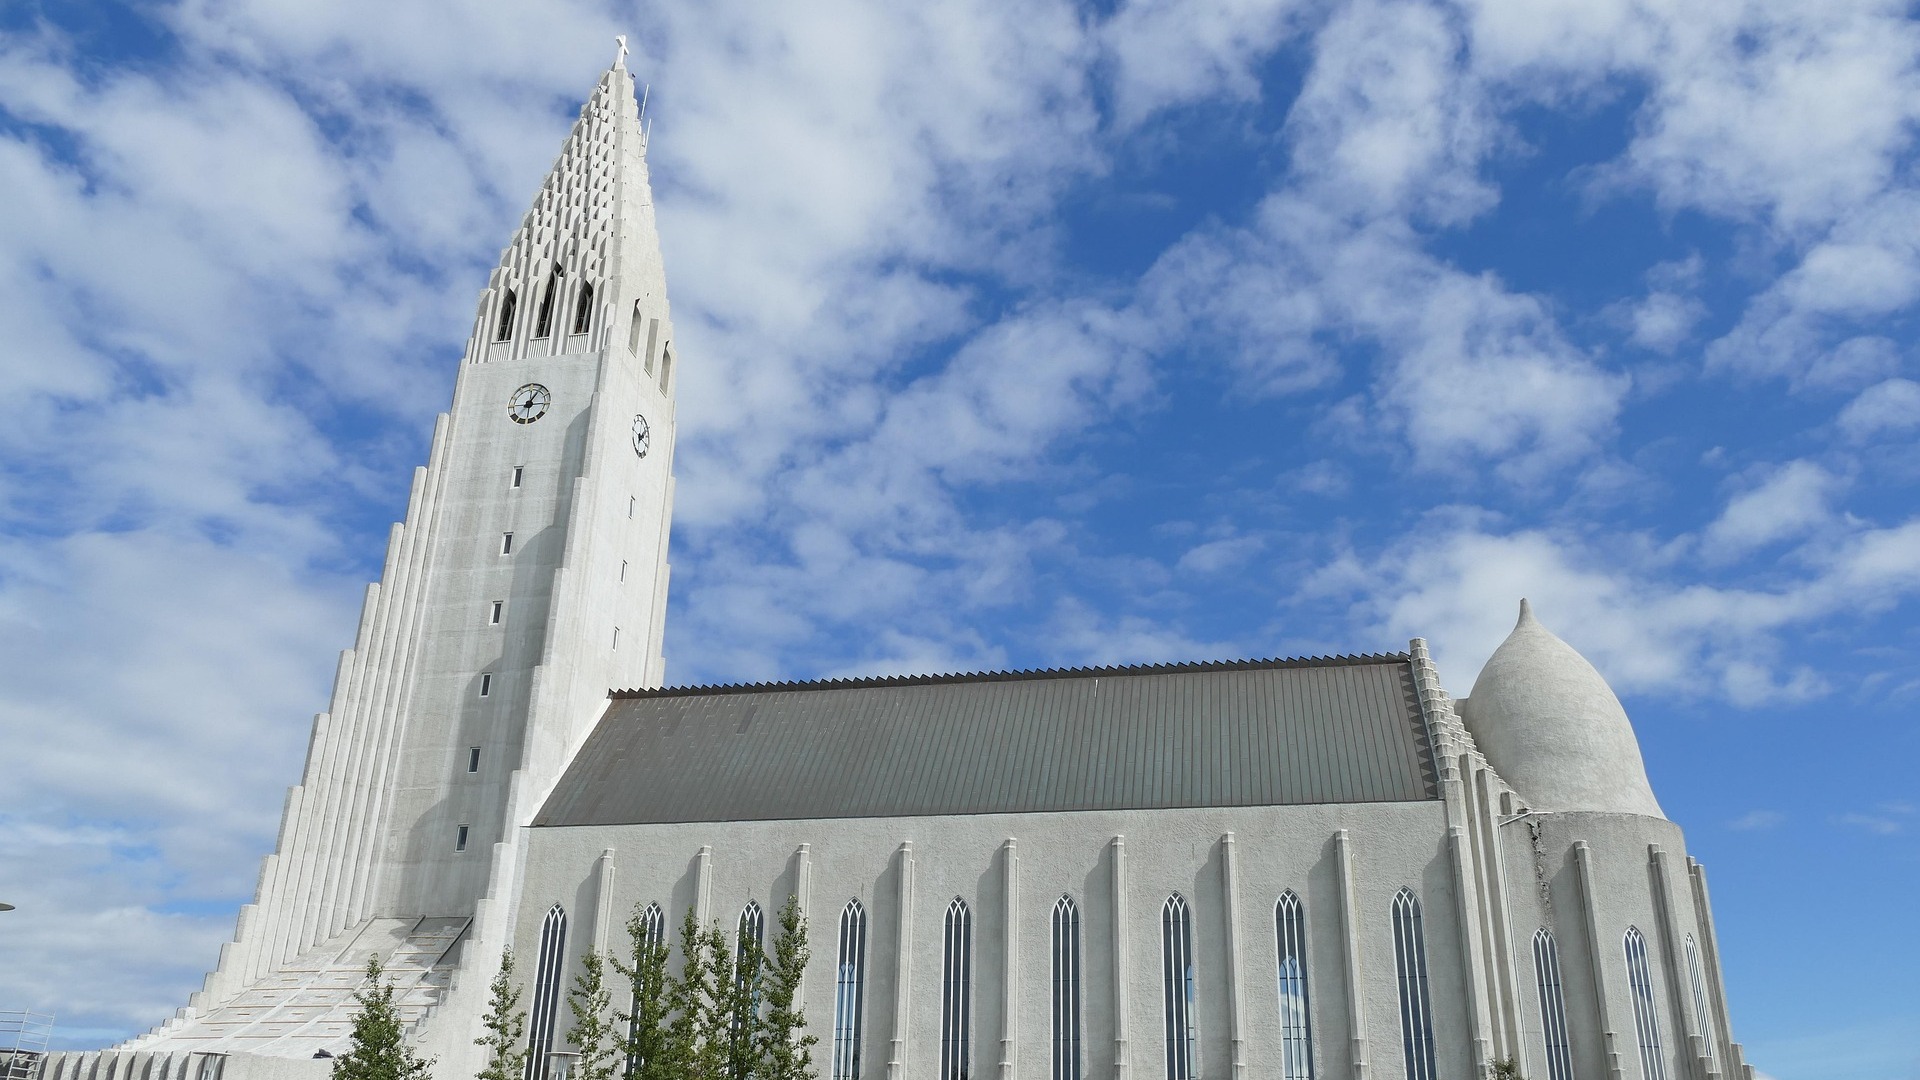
(1553, 728)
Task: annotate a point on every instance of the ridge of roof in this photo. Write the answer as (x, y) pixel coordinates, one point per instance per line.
(1018, 675)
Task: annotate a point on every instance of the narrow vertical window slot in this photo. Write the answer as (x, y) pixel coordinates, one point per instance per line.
(1177, 988)
(1066, 990)
(498, 607)
(956, 994)
(1646, 1018)
(1553, 1005)
(623, 570)
(849, 991)
(616, 637)
(1296, 1011)
(460, 839)
(473, 759)
(519, 474)
(506, 543)
(633, 332)
(505, 329)
(1416, 1008)
(486, 683)
(583, 311)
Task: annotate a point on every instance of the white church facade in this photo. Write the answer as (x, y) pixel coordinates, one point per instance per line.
(1312, 868)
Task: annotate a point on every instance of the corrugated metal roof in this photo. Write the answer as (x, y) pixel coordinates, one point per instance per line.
(1321, 730)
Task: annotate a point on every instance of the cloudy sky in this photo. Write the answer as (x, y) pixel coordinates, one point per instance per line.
(1013, 334)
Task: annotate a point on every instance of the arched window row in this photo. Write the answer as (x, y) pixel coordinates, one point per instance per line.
(583, 311)
(1553, 1005)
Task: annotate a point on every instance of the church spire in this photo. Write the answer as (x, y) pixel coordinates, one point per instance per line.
(584, 264)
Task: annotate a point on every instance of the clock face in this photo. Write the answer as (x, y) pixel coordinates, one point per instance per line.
(529, 403)
(642, 436)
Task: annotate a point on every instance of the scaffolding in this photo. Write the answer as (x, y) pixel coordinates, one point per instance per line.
(23, 1042)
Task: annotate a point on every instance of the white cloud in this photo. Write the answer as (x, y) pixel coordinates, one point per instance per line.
(1754, 820)
(1625, 605)
(1893, 405)
(1169, 53)
(1787, 504)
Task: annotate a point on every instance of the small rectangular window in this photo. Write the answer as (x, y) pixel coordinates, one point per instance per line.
(473, 759)
(519, 474)
(460, 839)
(666, 367)
(486, 683)
(498, 606)
(623, 569)
(506, 543)
(616, 637)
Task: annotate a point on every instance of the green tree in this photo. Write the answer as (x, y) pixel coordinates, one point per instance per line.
(1506, 1070)
(649, 1047)
(379, 1049)
(743, 959)
(593, 1033)
(506, 1024)
(786, 1049)
(690, 999)
(715, 1059)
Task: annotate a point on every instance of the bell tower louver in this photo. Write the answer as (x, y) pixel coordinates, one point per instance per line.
(528, 579)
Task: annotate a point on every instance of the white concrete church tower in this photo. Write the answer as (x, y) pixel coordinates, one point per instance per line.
(529, 578)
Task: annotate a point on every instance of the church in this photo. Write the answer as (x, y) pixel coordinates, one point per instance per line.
(1323, 868)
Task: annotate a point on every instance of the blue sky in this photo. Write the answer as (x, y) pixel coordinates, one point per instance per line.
(1012, 334)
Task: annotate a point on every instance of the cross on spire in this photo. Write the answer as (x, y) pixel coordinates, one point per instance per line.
(620, 60)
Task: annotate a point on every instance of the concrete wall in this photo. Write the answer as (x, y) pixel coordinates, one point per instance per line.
(1164, 851)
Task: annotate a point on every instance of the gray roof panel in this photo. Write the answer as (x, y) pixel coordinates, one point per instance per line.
(1332, 730)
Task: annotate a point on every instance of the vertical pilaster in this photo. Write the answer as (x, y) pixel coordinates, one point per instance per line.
(1609, 1031)
(703, 885)
(903, 969)
(1010, 966)
(602, 913)
(1350, 939)
(1460, 860)
(1122, 966)
(1236, 1017)
(1698, 1062)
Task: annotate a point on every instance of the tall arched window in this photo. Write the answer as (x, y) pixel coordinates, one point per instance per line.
(956, 994)
(543, 323)
(850, 991)
(1416, 1010)
(1553, 1005)
(1296, 1015)
(583, 310)
(1176, 969)
(548, 967)
(1646, 1022)
(1066, 989)
(1708, 1033)
(505, 328)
